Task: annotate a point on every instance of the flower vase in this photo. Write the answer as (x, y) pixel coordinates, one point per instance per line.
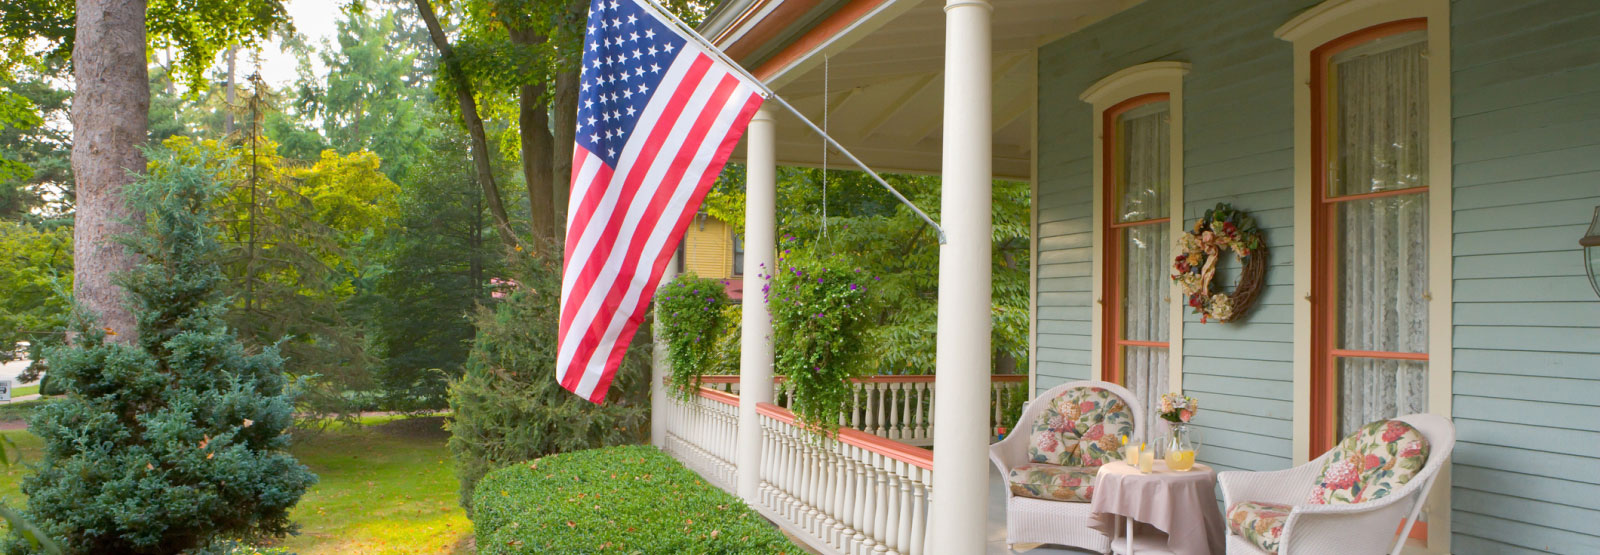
(1180, 447)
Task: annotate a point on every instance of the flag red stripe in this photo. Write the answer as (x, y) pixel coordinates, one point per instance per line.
(597, 190)
(707, 179)
(657, 205)
(595, 260)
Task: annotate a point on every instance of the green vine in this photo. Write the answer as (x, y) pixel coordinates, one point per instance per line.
(692, 317)
(820, 316)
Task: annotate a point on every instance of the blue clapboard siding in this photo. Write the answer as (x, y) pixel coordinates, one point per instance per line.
(1241, 373)
(1526, 97)
(1526, 382)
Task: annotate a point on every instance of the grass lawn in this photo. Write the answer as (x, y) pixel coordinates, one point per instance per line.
(24, 390)
(388, 487)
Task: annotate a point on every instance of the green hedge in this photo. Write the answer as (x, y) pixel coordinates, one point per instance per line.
(631, 499)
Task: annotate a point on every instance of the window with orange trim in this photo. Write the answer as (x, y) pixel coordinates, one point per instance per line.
(1369, 94)
(1137, 166)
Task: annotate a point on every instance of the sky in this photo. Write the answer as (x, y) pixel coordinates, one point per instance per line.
(313, 19)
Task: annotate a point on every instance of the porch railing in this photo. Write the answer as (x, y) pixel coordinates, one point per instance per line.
(856, 494)
(899, 407)
(702, 432)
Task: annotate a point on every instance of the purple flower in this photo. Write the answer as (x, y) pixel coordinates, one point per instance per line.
(853, 287)
(819, 280)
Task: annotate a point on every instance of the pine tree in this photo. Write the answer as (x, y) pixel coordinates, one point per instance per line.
(175, 440)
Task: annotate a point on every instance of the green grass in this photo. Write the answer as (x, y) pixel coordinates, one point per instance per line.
(24, 390)
(387, 487)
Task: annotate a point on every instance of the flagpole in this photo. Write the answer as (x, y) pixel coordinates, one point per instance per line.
(773, 95)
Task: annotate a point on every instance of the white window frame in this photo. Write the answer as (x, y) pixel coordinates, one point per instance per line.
(1315, 27)
(1149, 78)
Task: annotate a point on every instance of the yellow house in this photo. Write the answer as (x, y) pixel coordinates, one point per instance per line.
(710, 249)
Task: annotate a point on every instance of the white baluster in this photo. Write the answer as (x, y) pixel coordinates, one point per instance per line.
(919, 513)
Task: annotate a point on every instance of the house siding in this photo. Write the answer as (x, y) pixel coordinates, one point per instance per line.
(1238, 148)
(1526, 103)
(1526, 328)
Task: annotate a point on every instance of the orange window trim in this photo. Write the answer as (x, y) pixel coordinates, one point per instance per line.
(1111, 360)
(1324, 335)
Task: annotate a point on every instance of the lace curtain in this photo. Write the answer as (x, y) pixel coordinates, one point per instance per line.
(1381, 145)
(1145, 182)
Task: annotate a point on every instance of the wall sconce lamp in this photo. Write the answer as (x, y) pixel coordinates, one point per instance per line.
(1591, 251)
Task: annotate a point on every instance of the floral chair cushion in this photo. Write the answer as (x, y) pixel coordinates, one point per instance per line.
(1260, 523)
(1080, 427)
(1074, 484)
(1369, 464)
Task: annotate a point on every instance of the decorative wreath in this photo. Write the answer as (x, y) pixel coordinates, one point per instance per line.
(1221, 229)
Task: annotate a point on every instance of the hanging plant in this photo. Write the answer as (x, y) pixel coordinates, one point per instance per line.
(691, 319)
(1220, 229)
(820, 314)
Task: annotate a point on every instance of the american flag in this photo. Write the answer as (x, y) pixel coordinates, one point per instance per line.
(657, 118)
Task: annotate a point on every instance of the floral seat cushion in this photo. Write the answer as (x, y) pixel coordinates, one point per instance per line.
(1080, 427)
(1372, 462)
(1073, 484)
(1260, 523)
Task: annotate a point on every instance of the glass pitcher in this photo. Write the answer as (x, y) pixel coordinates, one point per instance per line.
(1181, 446)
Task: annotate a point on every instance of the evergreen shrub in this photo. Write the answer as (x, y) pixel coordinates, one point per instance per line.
(166, 443)
(631, 499)
(508, 407)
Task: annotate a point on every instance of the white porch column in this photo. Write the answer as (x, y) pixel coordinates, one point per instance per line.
(755, 332)
(961, 439)
(659, 402)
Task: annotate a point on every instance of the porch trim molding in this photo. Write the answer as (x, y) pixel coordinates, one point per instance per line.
(1033, 232)
(1164, 77)
(1308, 31)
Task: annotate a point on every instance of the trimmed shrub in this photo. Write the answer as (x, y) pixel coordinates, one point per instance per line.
(632, 499)
(508, 407)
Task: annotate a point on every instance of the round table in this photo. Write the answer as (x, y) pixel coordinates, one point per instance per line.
(1183, 505)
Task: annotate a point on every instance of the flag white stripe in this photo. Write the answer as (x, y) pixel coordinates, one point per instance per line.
(662, 232)
(589, 306)
(592, 231)
(581, 184)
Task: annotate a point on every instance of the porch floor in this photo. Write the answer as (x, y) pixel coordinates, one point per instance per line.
(997, 524)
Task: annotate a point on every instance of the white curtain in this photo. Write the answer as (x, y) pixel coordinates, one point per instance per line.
(1381, 144)
(1146, 144)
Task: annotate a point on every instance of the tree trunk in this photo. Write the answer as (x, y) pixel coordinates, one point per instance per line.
(469, 115)
(109, 111)
(566, 124)
(533, 122)
(227, 112)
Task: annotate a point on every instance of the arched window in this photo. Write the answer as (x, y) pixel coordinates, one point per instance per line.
(1138, 208)
(1372, 180)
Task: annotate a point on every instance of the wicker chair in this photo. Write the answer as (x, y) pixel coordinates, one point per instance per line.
(1035, 520)
(1360, 527)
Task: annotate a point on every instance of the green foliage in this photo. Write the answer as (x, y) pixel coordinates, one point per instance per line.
(374, 94)
(197, 30)
(438, 259)
(725, 359)
(884, 238)
(821, 312)
(299, 248)
(634, 499)
(691, 320)
(35, 273)
(35, 166)
(164, 445)
(21, 410)
(508, 406)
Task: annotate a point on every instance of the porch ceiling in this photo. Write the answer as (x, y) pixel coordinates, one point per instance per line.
(885, 66)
